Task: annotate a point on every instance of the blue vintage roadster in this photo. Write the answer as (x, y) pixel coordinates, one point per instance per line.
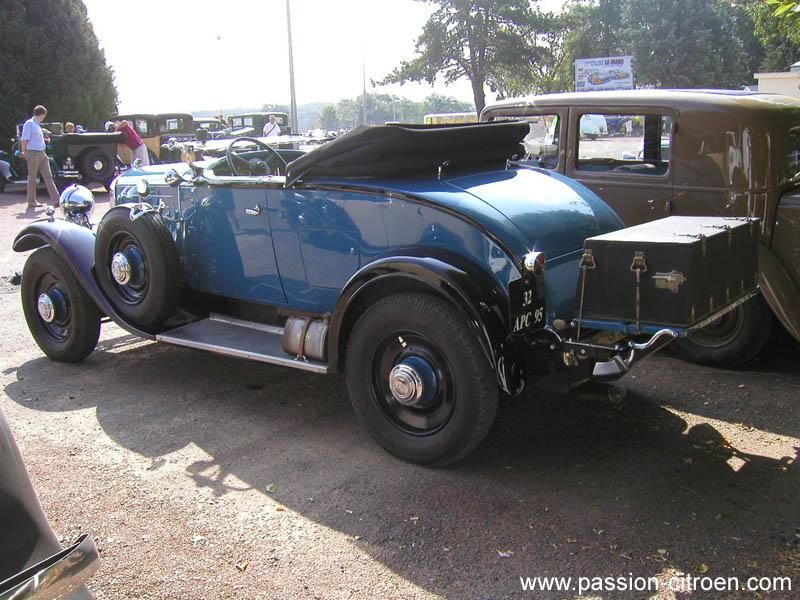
(424, 262)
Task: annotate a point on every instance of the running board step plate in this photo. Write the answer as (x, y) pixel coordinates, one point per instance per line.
(242, 339)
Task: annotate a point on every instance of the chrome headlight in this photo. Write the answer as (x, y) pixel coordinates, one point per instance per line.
(77, 201)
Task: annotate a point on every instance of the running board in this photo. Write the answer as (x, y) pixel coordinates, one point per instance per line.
(242, 339)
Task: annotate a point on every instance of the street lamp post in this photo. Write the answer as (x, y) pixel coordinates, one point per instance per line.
(295, 124)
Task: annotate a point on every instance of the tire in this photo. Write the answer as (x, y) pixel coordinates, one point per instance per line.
(151, 294)
(455, 413)
(96, 166)
(732, 340)
(75, 327)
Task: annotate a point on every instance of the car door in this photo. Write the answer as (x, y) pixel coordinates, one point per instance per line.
(625, 158)
(321, 239)
(229, 244)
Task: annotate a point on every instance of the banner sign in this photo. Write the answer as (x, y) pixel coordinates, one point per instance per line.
(609, 73)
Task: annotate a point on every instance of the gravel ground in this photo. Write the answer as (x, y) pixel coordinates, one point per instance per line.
(206, 477)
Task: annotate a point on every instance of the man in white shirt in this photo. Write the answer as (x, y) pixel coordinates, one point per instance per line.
(272, 128)
(32, 149)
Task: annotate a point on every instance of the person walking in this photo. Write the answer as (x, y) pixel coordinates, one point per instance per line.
(32, 149)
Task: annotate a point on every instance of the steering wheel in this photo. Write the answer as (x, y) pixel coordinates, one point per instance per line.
(253, 164)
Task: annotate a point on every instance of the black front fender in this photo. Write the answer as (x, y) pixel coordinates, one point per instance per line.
(471, 290)
(75, 245)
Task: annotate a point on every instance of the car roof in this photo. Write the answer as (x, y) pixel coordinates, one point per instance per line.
(172, 114)
(260, 113)
(680, 98)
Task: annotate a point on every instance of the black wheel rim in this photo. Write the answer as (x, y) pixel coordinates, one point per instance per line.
(720, 332)
(401, 347)
(135, 290)
(60, 327)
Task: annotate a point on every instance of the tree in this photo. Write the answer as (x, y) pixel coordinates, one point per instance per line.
(50, 55)
(476, 39)
(778, 37)
(674, 43)
(788, 9)
(328, 119)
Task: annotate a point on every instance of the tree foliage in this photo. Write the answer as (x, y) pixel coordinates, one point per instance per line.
(674, 43)
(49, 55)
(487, 41)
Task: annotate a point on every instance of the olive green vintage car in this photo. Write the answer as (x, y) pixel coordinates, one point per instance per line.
(687, 152)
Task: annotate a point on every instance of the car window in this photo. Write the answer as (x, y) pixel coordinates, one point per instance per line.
(141, 126)
(542, 142)
(176, 124)
(624, 143)
(793, 156)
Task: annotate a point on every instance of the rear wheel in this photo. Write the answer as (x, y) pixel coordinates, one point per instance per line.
(731, 340)
(97, 165)
(419, 380)
(63, 319)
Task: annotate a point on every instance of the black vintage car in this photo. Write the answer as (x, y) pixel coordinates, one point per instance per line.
(88, 158)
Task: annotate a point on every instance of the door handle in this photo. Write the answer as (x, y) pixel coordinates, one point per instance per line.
(253, 212)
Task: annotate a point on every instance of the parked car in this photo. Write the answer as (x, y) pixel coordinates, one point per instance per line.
(699, 152)
(33, 565)
(87, 157)
(257, 120)
(422, 261)
(159, 132)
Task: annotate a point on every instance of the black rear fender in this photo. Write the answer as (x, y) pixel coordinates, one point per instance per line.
(471, 290)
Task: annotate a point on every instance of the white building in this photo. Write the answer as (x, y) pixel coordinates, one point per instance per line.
(787, 83)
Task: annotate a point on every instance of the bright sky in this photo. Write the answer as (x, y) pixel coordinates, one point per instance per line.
(176, 55)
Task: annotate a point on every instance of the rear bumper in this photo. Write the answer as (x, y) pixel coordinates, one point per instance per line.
(56, 576)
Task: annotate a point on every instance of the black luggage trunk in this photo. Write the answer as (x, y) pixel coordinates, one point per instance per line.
(672, 272)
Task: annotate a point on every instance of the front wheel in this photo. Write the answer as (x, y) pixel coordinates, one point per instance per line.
(63, 319)
(731, 340)
(419, 380)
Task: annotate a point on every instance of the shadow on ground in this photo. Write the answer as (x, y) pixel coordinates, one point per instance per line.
(564, 482)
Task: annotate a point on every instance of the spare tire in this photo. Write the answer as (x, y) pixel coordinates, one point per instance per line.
(137, 266)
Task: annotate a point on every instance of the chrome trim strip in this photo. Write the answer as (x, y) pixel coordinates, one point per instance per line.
(733, 305)
(283, 361)
(56, 576)
(249, 324)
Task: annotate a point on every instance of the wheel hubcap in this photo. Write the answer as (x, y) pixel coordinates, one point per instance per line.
(121, 269)
(46, 308)
(406, 384)
(98, 165)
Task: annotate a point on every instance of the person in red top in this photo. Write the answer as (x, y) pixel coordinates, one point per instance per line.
(134, 142)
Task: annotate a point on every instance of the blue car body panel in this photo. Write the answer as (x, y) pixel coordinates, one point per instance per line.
(299, 246)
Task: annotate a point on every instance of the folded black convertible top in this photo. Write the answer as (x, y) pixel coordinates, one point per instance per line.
(405, 149)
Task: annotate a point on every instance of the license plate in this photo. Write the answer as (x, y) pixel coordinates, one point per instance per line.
(527, 310)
